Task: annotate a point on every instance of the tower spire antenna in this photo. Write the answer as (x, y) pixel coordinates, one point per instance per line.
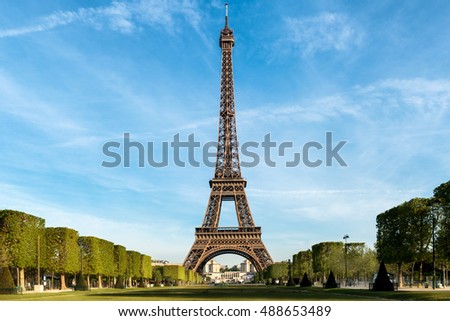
(226, 14)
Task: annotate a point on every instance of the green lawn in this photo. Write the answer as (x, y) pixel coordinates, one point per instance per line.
(236, 293)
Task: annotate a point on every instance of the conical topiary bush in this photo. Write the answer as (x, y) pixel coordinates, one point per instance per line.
(7, 285)
(382, 282)
(6, 280)
(305, 281)
(331, 282)
(120, 284)
(81, 283)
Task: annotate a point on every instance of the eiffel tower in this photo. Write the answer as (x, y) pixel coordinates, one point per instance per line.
(227, 185)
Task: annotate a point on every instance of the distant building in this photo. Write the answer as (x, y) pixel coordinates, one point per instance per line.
(247, 267)
(159, 262)
(212, 267)
(213, 273)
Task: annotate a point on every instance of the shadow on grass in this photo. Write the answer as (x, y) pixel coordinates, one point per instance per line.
(232, 293)
(264, 293)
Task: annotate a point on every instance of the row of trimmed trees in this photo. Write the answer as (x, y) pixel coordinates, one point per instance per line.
(416, 234)
(175, 275)
(59, 253)
(320, 260)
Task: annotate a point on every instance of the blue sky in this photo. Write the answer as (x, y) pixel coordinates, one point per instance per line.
(75, 75)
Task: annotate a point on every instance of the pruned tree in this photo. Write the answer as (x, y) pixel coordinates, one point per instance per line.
(23, 237)
(382, 281)
(174, 273)
(157, 274)
(133, 266)
(190, 276)
(305, 282)
(120, 265)
(107, 267)
(90, 258)
(331, 281)
(302, 263)
(145, 269)
(327, 256)
(278, 271)
(62, 253)
(6, 280)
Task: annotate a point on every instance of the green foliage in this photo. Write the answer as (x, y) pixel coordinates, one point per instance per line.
(134, 264)
(421, 225)
(328, 256)
(442, 210)
(107, 266)
(146, 267)
(3, 250)
(62, 250)
(20, 232)
(90, 255)
(404, 233)
(198, 278)
(190, 276)
(278, 271)
(158, 274)
(174, 272)
(361, 260)
(62, 254)
(302, 263)
(295, 268)
(394, 238)
(120, 260)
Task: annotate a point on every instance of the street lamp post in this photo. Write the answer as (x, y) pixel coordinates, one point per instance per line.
(433, 228)
(345, 258)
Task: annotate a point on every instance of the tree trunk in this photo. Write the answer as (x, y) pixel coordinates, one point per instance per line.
(400, 275)
(63, 281)
(444, 274)
(88, 281)
(412, 276)
(100, 285)
(22, 278)
(420, 275)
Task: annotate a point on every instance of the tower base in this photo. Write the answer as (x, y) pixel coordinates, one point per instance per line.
(213, 241)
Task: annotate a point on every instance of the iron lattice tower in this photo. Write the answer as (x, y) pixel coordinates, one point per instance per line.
(227, 185)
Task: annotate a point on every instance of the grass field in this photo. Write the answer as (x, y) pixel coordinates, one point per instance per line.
(230, 293)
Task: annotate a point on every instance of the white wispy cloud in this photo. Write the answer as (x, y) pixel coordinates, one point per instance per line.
(327, 31)
(124, 17)
(20, 102)
(421, 99)
(316, 110)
